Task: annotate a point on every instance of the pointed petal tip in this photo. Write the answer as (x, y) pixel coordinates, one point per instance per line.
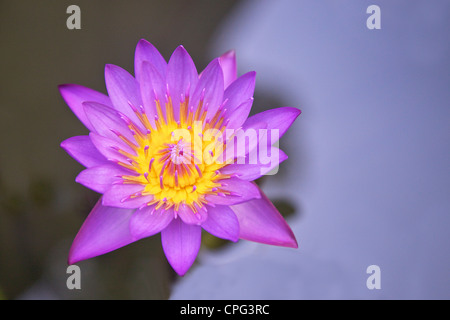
(146, 51)
(74, 255)
(180, 271)
(109, 71)
(295, 244)
(181, 243)
(181, 53)
(289, 240)
(63, 144)
(143, 41)
(62, 87)
(66, 87)
(181, 49)
(229, 54)
(260, 221)
(288, 244)
(250, 77)
(292, 243)
(295, 111)
(109, 67)
(67, 90)
(216, 64)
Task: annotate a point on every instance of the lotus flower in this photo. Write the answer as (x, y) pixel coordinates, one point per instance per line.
(169, 151)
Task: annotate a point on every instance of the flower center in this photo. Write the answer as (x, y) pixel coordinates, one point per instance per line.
(177, 162)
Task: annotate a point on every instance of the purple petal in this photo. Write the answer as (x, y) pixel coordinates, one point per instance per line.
(123, 90)
(104, 230)
(181, 78)
(181, 243)
(153, 87)
(109, 147)
(277, 119)
(75, 95)
(237, 116)
(241, 191)
(145, 51)
(240, 91)
(209, 88)
(188, 216)
(260, 221)
(100, 178)
(126, 196)
(106, 121)
(229, 67)
(250, 172)
(148, 221)
(81, 149)
(222, 223)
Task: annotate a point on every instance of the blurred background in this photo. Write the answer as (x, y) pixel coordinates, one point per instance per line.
(367, 180)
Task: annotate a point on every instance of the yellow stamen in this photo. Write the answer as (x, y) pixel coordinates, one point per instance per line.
(171, 167)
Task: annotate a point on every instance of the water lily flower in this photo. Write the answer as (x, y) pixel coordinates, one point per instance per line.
(166, 153)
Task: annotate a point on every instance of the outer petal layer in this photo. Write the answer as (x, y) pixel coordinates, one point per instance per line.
(260, 221)
(181, 243)
(104, 230)
(82, 149)
(124, 196)
(75, 95)
(100, 178)
(276, 119)
(109, 148)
